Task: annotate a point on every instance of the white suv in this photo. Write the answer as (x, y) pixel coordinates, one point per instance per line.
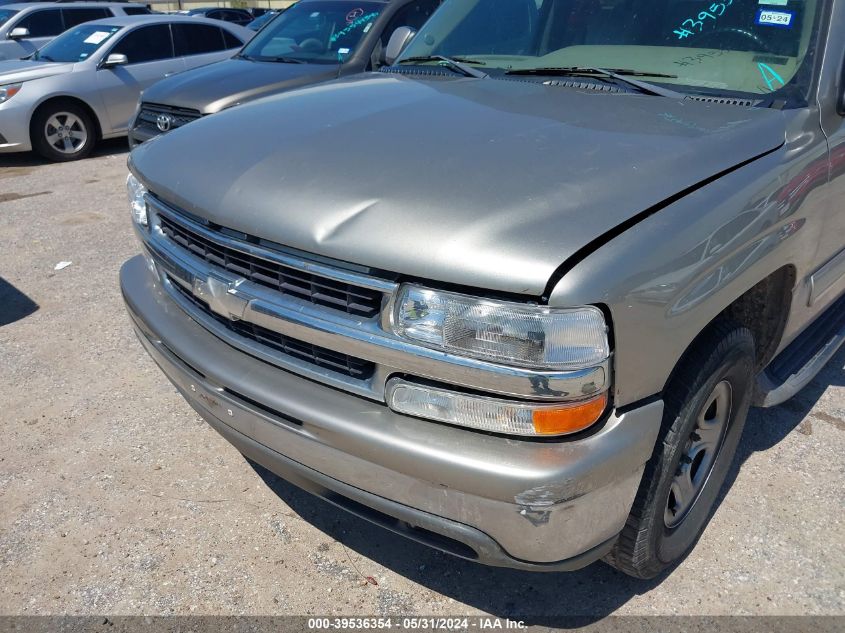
(24, 28)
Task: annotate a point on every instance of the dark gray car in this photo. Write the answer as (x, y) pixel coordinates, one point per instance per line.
(513, 296)
(312, 42)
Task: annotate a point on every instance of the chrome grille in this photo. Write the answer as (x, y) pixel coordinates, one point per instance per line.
(327, 359)
(148, 116)
(328, 293)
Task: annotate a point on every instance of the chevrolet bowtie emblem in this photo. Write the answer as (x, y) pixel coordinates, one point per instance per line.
(221, 296)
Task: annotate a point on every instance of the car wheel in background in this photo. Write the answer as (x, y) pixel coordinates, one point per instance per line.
(706, 404)
(63, 131)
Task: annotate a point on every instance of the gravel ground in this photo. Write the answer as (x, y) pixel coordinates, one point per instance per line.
(116, 499)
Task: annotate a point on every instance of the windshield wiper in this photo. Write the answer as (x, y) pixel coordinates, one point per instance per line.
(620, 74)
(281, 59)
(287, 60)
(459, 64)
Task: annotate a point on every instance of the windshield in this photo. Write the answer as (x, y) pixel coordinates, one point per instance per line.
(77, 44)
(5, 15)
(315, 32)
(747, 46)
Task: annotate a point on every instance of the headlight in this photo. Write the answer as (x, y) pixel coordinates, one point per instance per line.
(9, 91)
(137, 201)
(493, 414)
(504, 332)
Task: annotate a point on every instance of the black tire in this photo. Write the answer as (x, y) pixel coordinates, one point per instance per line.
(720, 362)
(63, 118)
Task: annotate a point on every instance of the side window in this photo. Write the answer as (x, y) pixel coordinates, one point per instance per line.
(196, 39)
(146, 44)
(214, 15)
(136, 11)
(45, 23)
(414, 15)
(78, 16)
(230, 41)
(233, 16)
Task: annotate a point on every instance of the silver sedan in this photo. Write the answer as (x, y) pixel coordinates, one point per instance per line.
(84, 85)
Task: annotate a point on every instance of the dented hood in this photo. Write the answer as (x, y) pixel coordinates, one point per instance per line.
(217, 86)
(484, 183)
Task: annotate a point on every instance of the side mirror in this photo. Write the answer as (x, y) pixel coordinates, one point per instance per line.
(18, 33)
(398, 42)
(115, 59)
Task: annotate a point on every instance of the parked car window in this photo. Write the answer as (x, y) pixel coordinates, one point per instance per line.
(230, 40)
(43, 23)
(238, 17)
(413, 15)
(77, 44)
(146, 44)
(136, 11)
(195, 39)
(6, 15)
(214, 15)
(314, 33)
(76, 16)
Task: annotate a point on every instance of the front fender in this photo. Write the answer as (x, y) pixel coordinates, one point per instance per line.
(666, 278)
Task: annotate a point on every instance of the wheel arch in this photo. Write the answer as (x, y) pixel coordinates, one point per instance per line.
(763, 309)
(60, 98)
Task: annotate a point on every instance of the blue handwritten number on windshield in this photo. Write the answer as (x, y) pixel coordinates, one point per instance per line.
(355, 24)
(692, 26)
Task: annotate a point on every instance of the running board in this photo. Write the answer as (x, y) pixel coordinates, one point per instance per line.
(798, 364)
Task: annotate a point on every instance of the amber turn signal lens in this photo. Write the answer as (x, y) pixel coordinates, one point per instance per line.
(569, 419)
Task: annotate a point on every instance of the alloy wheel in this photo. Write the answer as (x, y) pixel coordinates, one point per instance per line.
(65, 132)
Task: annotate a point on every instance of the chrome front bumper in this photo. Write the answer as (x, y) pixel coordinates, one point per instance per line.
(527, 504)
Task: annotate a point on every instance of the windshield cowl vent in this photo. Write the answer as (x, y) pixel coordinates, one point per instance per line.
(748, 103)
(584, 85)
(424, 72)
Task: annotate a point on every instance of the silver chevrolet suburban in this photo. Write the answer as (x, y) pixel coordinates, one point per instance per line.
(513, 295)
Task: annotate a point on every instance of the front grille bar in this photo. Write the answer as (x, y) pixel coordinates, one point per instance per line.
(363, 302)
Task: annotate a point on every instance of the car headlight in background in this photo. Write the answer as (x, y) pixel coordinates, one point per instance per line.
(9, 91)
(503, 332)
(137, 199)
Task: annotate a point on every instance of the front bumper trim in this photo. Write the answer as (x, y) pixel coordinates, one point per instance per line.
(440, 533)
